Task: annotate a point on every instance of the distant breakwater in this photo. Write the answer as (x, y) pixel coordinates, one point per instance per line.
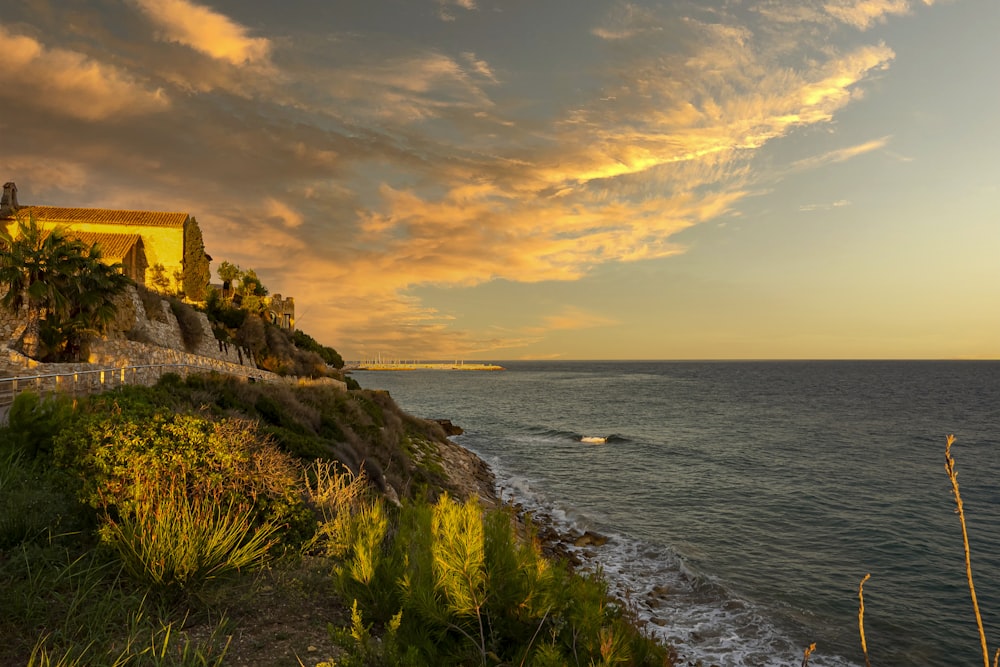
(416, 366)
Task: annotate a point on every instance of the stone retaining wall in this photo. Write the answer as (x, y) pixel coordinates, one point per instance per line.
(160, 336)
(112, 354)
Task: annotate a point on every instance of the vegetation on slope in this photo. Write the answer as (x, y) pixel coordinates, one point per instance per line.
(144, 526)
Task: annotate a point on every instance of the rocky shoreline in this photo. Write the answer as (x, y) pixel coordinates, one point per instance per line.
(471, 477)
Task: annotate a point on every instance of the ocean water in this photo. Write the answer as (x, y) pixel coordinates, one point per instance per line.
(746, 500)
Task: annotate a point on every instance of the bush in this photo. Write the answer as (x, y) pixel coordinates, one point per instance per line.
(462, 589)
(172, 538)
(151, 303)
(34, 421)
(113, 449)
(189, 322)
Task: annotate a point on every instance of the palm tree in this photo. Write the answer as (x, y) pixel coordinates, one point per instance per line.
(67, 290)
(93, 304)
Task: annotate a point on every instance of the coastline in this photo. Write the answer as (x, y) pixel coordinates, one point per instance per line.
(471, 477)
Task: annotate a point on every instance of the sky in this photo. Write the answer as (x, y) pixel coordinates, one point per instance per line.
(545, 179)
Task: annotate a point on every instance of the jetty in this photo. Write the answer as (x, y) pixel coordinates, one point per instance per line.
(380, 365)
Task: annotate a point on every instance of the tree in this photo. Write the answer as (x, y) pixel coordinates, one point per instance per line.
(304, 341)
(197, 271)
(93, 309)
(69, 293)
(228, 273)
(250, 284)
(158, 278)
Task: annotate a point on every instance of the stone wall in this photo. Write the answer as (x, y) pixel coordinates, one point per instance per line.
(113, 355)
(161, 328)
(134, 339)
(11, 325)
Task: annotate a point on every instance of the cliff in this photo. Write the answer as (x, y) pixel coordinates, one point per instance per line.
(137, 337)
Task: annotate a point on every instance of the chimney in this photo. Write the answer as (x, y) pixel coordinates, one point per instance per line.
(8, 203)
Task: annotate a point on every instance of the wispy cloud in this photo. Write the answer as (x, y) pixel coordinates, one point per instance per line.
(445, 8)
(840, 203)
(571, 318)
(842, 154)
(862, 14)
(284, 213)
(626, 21)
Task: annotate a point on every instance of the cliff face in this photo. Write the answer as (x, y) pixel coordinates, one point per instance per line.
(135, 338)
(160, 327)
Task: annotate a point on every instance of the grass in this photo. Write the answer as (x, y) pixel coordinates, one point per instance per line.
(183, 529)
(173, 539)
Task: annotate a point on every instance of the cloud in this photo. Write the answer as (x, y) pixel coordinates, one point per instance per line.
(205, 31)
(625, 22)
(288, 216)
(825, 207)
(370, 166)
(862, 14)
(392, 86)
(69, 83)
(571, 318)
(842, 154)
(444, 12)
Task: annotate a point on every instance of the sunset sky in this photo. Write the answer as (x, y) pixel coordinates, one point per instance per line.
(518, 179)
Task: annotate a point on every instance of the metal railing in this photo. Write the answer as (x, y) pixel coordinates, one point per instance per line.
(80, 383)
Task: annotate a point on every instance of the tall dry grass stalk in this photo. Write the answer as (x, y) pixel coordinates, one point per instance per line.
(337, 495)
(808, 652)
(861, 617)
(949, 466)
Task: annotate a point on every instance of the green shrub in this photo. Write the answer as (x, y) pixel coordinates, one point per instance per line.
(171, 538)
(34, 421)
(470, 592)
(364, 650)
(111, 450)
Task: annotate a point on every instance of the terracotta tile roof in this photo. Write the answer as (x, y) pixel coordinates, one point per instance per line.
(103, 215)
(113, 246)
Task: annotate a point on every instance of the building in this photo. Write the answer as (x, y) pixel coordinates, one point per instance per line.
(280, 311)
(155, 247)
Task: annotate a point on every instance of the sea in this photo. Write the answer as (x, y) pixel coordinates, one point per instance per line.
(745, 501)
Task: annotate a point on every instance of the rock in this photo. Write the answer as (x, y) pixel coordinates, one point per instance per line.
(658, 593)
(449, 428)
(590, 539)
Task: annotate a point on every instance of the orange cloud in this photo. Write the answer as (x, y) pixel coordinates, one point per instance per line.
(862, 14)
(415, 87)
(614, 182)
(70, 83)
(288, 216)
(419, 167)
(205, 31)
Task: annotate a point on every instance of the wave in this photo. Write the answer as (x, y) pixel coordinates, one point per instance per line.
(705, 620)
(590, 437)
